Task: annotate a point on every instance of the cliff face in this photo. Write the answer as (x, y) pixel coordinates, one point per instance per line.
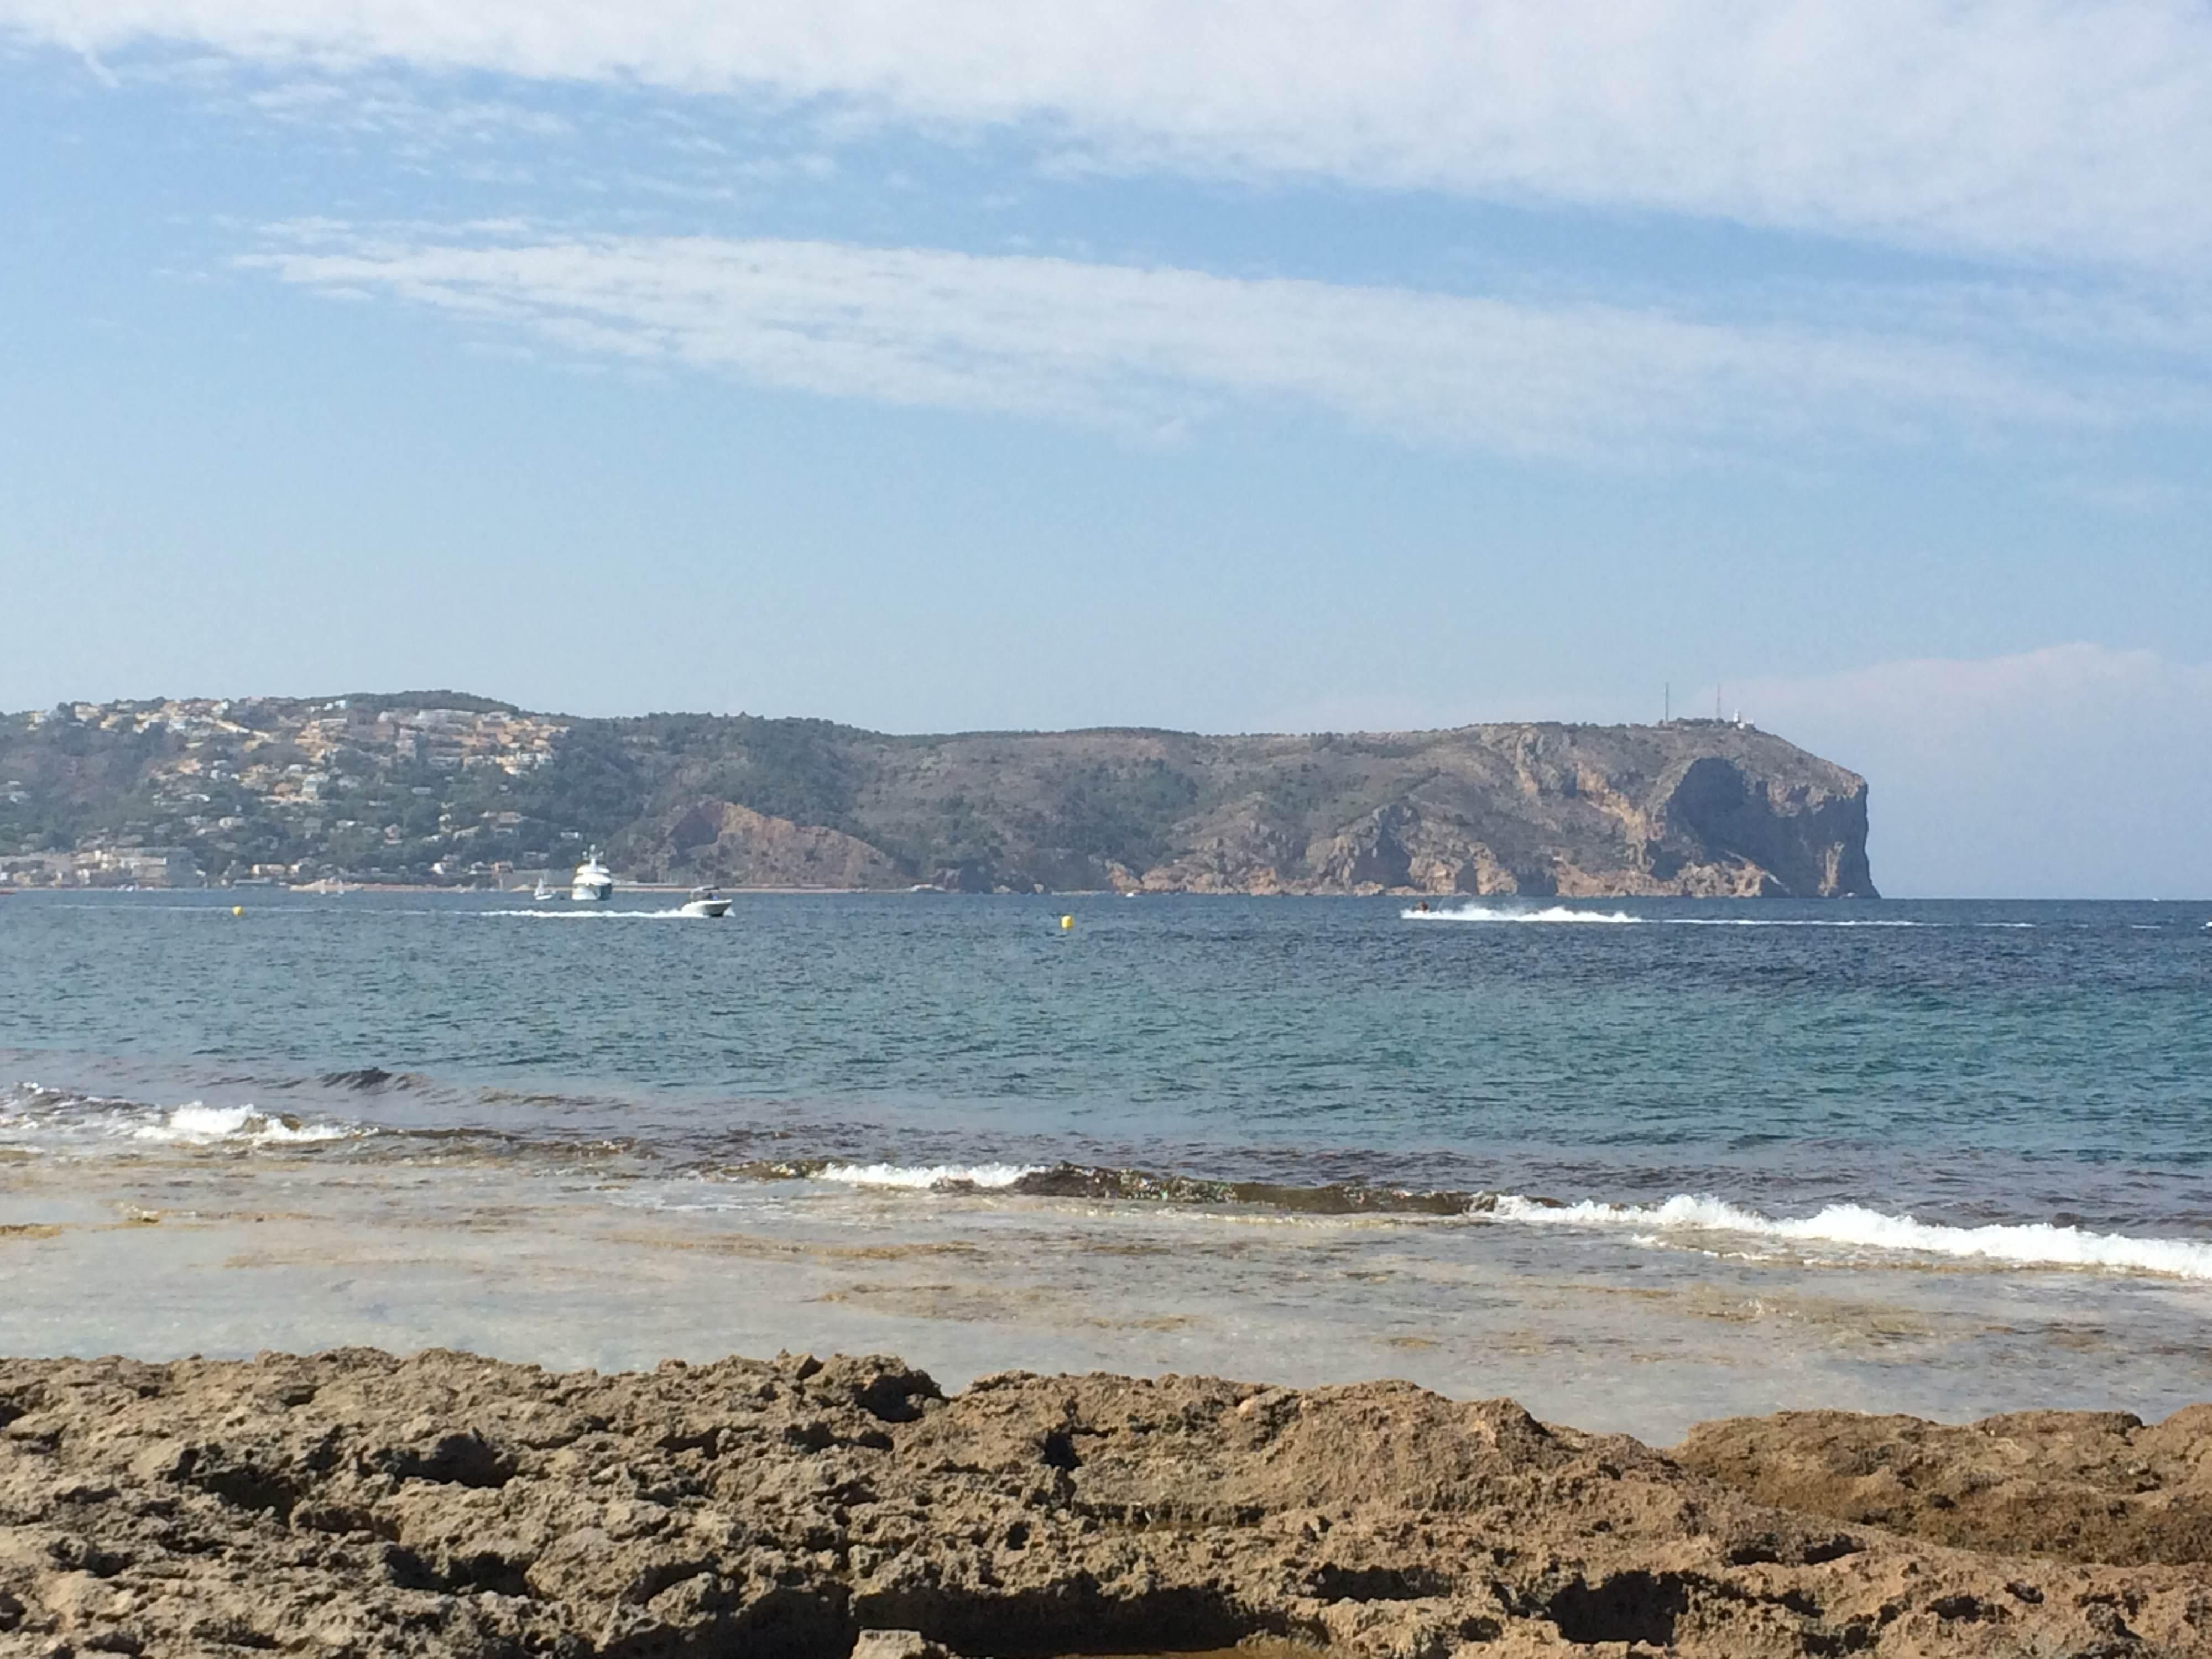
(440, 787)
(1693, 808)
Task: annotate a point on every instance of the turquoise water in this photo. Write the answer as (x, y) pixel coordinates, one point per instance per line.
(1942, 1108)
(1974, 1061)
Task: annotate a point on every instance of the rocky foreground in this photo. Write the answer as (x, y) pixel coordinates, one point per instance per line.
(356, 1504)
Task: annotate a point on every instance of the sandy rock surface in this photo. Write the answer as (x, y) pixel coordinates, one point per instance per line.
(2083, 1485)
(354, 1504)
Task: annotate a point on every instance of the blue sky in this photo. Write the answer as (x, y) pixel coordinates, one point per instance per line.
(1231, 367)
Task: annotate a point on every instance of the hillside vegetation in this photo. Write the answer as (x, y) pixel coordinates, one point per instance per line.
(441, 787)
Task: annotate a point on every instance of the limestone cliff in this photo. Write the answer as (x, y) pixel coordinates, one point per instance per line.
(1698, 808)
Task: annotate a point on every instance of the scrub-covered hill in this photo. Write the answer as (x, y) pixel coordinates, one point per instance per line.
(440, 787)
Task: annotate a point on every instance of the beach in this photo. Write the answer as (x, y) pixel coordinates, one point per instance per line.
(1062, 831)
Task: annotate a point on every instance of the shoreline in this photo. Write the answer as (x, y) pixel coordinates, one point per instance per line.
(167, 1209)
(351, 1503)
(586, 1256)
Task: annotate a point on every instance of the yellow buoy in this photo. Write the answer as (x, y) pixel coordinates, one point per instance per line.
(1067, 924)
(238, 910)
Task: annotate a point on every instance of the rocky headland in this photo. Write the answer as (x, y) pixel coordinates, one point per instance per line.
(354, 1504)
(441, 788)
(1694, 808)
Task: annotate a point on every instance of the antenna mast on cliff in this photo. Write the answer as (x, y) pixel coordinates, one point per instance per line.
(1668, 718)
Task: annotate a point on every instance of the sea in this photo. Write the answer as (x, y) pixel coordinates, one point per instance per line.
(1635, 1164)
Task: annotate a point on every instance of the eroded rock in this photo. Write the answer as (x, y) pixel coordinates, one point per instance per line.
(356, 1504)
(2078, 1485)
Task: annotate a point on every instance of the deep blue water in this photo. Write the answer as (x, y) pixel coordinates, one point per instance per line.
(1967, 1062)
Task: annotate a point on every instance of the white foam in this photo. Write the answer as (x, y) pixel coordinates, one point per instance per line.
(1561, 912)
(2038, 1244)
(1553, 913)
(921, 1176)
(197, 1125)
(1813, 922)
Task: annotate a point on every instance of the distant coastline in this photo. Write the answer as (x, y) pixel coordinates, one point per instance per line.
(448, 790)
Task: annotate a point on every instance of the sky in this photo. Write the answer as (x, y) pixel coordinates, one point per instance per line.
(1219, 366)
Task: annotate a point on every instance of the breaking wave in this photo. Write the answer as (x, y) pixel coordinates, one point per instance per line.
(2039, 1244)
(34, 1118)
(921, 1176)
(1850, 1229)
(197, 1125)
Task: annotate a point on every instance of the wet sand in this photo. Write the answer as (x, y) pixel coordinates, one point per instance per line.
(224, 1252)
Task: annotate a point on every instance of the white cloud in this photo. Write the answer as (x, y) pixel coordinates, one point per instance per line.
(2076, 770)
(383, 106)
(1145, 350)
(2079, 130)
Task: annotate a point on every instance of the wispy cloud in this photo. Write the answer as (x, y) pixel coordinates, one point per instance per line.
(2075, 129)
(383, 106)
(2058, 690)
(1151, 349)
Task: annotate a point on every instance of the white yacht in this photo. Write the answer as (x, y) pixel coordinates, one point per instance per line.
(594, 882)
(704, 901)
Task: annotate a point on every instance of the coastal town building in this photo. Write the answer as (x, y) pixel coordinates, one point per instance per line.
(117, 866)
(258, 789)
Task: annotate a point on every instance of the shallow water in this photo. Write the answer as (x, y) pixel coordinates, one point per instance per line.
(1635, 1163)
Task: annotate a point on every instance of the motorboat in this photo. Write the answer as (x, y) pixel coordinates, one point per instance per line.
(595, 883)
(704, 901)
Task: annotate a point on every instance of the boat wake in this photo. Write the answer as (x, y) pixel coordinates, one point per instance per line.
(593, 913)
(1556, 912)
(1561, 913)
